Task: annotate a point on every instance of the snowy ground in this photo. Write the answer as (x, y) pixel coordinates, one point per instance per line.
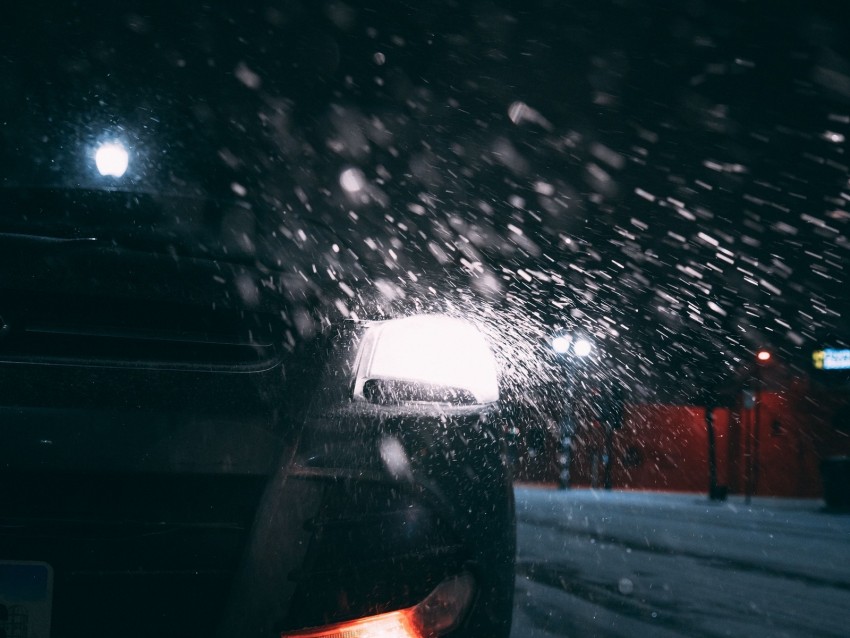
(594, 563)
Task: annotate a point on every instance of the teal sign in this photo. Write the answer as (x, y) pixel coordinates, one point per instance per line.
(831, 359)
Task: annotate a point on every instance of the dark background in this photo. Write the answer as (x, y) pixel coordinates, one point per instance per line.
(671, 178)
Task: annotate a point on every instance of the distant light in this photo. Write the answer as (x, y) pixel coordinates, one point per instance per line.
(831, 359)
(112, 159)
(763, 355)
(561, 344)
(352, 180)
(832, 136)
(520, 113)
(582, 347)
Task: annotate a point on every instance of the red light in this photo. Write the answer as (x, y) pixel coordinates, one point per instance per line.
(396, 624)
(438, 614)
(763, 355)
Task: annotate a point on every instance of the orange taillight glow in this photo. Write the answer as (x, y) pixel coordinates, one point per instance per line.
(441, 612)
(396, 624)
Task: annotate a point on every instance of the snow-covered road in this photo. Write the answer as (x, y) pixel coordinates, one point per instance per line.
(594, 563)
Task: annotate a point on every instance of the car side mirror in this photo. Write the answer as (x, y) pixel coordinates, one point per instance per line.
(392, 392)
(425, 359)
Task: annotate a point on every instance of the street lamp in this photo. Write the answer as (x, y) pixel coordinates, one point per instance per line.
(112, 159)
(575, 350)
(763, 357)
(568, 347)
(564, 344)
(561, 344)
(582, 348)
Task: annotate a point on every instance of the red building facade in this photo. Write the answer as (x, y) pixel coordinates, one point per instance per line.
(775, 447)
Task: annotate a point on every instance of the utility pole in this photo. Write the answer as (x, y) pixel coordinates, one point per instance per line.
(710, 398)
(756, 431)
(712, 454)
(565, 452)
(763, 356)
(609, 454)
(747, 448)
(572, 350)
(612, 419)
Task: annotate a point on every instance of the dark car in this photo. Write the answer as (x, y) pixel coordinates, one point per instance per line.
(206, 427)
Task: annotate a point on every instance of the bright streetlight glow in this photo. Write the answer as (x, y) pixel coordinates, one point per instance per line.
(763, 355)
(561, 344)
(112, 159)
(352, 180)
(582, 347)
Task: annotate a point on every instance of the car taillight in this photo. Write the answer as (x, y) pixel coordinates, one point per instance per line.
(397, 624)
(438, 614)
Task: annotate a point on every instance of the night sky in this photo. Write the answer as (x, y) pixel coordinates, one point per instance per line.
(670, 177)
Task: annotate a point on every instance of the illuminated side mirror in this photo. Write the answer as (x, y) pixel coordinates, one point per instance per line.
(425, 359)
